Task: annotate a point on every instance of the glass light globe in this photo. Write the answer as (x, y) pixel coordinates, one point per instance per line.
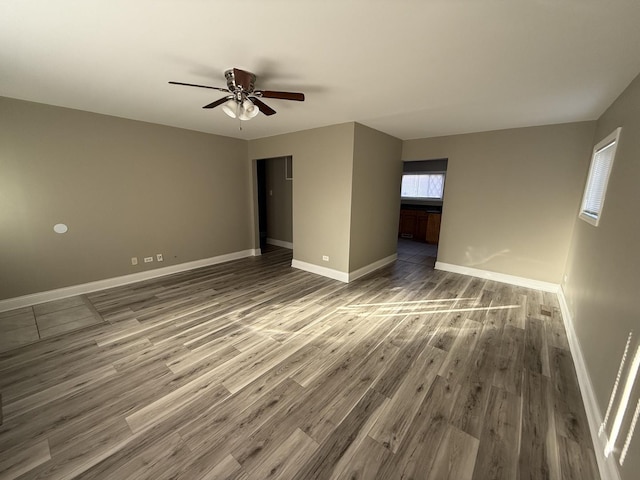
(248, 110)
(230, 108)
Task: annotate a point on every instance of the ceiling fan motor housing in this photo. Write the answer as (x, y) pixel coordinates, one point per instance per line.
(233, 85)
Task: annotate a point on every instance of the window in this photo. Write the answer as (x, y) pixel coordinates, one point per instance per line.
(423, 186)
(596, 187)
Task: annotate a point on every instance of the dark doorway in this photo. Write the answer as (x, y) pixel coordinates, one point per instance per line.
(262, 201)
(274, 178)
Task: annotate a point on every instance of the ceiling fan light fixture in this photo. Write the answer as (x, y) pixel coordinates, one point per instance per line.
(231, 108)
(248, 110)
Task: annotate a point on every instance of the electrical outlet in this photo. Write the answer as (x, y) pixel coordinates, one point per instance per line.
(159, 257)
(148, 259)
(134, 260)
(325, 258)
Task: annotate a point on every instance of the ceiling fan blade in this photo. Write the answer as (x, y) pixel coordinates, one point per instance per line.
(217, 102)
(243, 79)
(220, 89)
(263, 107)
(282, 95)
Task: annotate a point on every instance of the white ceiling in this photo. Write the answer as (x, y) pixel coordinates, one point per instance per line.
(411, 68)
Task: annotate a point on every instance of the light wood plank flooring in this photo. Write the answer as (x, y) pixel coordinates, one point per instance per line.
(254, 370)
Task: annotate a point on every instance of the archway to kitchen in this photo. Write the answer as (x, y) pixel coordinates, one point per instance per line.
(421, 207)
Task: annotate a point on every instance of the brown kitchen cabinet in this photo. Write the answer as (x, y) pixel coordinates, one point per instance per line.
(419, 225)
(408, 223)
(433, 228)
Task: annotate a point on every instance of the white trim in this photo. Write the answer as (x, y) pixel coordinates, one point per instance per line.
(324, 271)
(57, 294)
(280, 243)
(288, 171)
(499, 277)
(606, 465)
(361, 272)
(255, 252)
(343, 276)
(590, 219)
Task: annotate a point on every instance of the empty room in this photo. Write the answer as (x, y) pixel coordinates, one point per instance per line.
(319, 240)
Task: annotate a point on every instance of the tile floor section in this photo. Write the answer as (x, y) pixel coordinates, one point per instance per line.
(30, 324)
(417, 252)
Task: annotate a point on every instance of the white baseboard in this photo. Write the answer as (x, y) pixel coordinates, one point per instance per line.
(606, 465)
(499, 277)
(280, 243)
(324, 271)
(343, 276)
(255, 252)
(361, 272)
(59, 293)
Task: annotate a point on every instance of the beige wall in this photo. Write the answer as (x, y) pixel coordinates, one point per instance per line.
(279, 201)
(510, 196)
(124, 188)
(375, 197)
(322, 159)
(604, 266)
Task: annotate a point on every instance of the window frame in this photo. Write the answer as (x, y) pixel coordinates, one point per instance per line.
(613, 137)
(425, 199)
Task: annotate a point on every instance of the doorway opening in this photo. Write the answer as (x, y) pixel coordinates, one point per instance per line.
(275, 202)
(421, 202)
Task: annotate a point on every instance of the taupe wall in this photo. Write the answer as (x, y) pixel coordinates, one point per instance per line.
(604, 266)
(279, 201)
(322, 159)
(124, 188)
(375, 197)
(510, 197)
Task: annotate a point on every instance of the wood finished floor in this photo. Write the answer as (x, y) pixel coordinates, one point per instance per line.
(254, 370)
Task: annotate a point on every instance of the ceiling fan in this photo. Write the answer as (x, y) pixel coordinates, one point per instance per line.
(243, 101)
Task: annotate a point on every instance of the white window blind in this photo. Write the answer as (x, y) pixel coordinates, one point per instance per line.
(596, 187)
(423, 185)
